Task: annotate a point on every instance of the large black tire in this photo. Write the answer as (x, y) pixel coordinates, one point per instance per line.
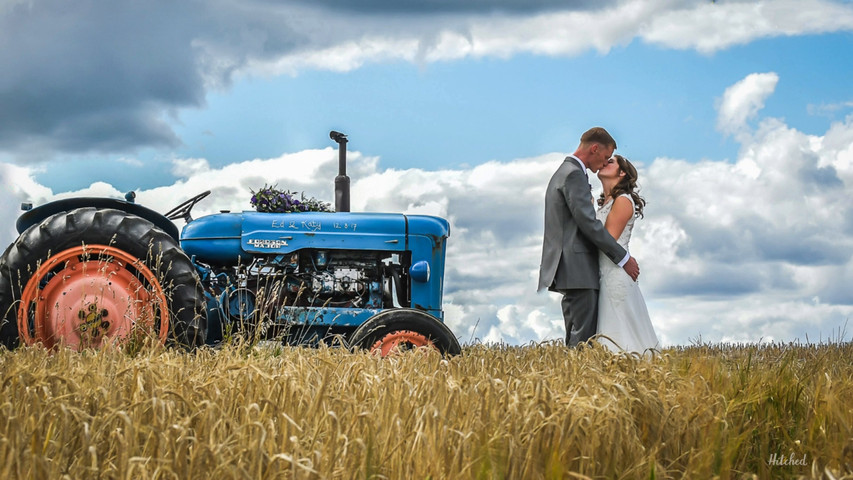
(128, 233)
(392, 325)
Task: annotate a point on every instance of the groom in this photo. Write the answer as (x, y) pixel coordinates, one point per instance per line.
(573, 237)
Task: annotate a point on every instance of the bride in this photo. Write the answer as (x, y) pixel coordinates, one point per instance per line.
(623, 319)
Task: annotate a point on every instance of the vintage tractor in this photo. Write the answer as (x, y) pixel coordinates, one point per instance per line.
(90, 271)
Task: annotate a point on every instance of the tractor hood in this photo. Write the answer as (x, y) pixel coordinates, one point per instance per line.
(229, 238)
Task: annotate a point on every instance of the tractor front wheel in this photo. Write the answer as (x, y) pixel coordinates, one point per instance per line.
(89, 277)
(404, 329)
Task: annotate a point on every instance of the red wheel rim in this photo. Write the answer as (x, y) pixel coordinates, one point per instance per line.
(400, 340)
(91, 295)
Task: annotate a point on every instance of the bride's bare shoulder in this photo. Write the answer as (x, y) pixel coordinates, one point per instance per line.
(624, 199)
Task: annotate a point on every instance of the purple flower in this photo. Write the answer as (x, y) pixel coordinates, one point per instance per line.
(271, 199)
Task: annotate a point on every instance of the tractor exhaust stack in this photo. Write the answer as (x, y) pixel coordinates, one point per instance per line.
(342, 180)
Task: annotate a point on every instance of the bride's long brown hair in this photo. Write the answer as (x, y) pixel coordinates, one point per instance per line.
(627, 184)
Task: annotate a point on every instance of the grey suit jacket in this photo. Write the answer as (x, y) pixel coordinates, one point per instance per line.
(573, 236)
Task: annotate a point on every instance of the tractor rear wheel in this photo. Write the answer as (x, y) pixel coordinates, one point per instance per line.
(404, 329)
(88, 277)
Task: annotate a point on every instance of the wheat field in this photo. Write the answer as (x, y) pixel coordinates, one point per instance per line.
(494, 412)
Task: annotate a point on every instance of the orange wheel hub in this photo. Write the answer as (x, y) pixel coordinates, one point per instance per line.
(91, 295)
(400, 340)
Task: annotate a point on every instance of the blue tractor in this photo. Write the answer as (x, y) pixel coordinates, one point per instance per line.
(90, 271)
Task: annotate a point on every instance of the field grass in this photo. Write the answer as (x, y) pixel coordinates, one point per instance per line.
(537, 411)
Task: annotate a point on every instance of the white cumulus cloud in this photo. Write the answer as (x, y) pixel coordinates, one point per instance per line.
(743, 100)
(712, 26)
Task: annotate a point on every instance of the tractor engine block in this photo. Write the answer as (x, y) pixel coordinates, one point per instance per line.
(311, 278)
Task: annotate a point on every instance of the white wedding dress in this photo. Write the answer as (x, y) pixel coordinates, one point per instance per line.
(623, 319)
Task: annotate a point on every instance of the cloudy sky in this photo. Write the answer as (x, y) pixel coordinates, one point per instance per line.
(739, 116)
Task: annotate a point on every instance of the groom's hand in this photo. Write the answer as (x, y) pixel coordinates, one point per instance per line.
(632, 268)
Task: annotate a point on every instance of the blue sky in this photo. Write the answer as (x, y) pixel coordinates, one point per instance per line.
(739, 114)
(657, 102)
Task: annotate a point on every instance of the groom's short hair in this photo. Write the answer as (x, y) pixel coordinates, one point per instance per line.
(598, 135)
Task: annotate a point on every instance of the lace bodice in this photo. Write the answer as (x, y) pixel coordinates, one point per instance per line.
(604, 210)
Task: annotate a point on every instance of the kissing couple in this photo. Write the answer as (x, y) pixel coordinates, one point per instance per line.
(585, 250)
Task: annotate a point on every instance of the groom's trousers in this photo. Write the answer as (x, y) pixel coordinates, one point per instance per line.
(580, 314)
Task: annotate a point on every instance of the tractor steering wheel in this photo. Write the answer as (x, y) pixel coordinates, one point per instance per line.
(183, 210)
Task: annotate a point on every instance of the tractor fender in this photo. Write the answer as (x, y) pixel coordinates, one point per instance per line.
(40, 213)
